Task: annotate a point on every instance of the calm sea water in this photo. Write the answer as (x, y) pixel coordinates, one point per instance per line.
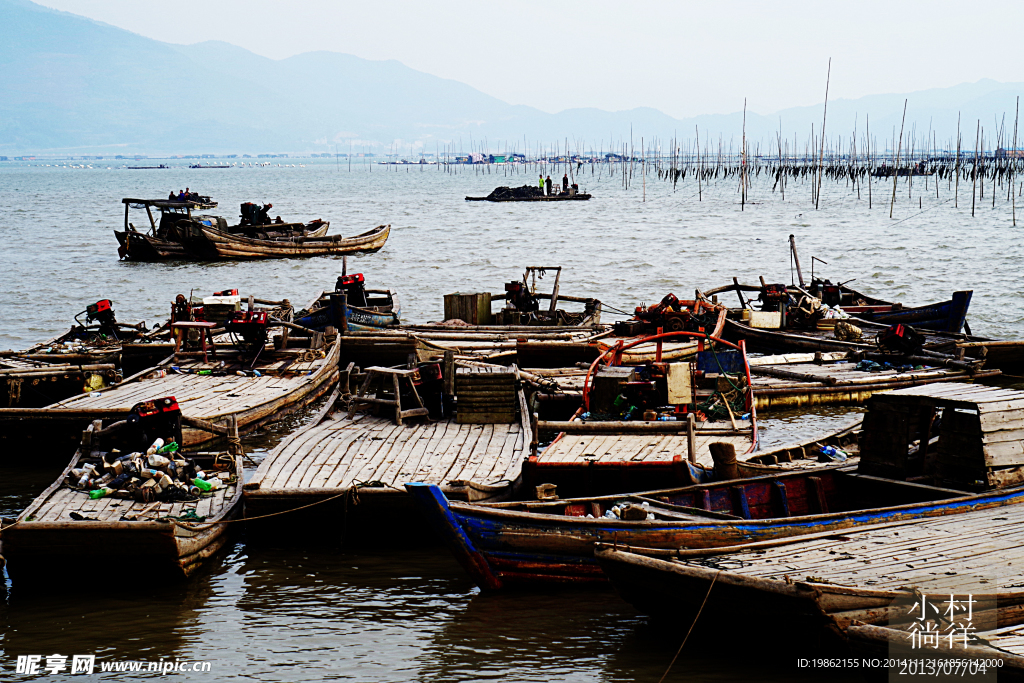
(305, 614)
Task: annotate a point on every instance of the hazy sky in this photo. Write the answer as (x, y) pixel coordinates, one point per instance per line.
(684, 58)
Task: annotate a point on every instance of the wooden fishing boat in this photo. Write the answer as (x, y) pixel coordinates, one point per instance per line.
(831, 378)
(776, 340)
(179, 234)
(581, 197)
(350, 464)
(232, 246)
(123, 536)
(894, 480)
(248, 379)
(552, 540)
(944, 316)
(85, 358)
(29, 383)
(826, 582)
(351, 307)
(530, 193)
(626, 440)
(524, 331)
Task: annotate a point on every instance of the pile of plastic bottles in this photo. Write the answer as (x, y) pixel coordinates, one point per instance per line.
(158, 474)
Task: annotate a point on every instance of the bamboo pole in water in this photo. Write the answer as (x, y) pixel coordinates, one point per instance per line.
(1013, 164)
(743, 160)
(956, 192)
(821, 156)
(974, 171)
(896, 162)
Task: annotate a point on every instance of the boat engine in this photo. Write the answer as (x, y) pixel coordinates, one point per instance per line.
(774, 297)
(668, 314)
(831, 294)
(519, 297)
(248, 330)
(100, 312)
(151, 420)
(354, 288)
(901, 339)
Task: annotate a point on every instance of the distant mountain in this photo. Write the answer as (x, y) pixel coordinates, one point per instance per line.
(68, 83)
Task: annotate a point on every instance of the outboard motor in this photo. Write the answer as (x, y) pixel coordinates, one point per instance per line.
(102, 313)
(519, 297)
(902, 339)
(248, 329)
(151, 420)
(354, 288)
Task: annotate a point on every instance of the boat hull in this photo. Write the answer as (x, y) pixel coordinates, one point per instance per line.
(229, 246)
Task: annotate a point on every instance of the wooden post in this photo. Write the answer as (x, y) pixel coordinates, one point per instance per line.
(448, 369)
(691, 442)
(554, 290)
(724, 457)
(743, 302)
(796, 260)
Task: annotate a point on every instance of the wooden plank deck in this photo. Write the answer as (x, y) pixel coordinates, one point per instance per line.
(339, 454)
(59, 505)
(980, 551)
(288, 382)
(651, 448)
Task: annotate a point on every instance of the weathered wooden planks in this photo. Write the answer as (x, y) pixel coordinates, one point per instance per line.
(339, 454)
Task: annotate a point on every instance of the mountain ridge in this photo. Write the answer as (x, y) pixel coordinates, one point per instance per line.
(71, 82)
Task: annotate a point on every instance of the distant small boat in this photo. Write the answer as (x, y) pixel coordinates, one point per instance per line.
(530, 193)
(146, 168)
(207, 166)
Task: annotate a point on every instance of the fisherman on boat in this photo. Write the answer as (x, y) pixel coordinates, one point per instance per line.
(547, 183)
(541, 182)
(264, 217)
(565, 183)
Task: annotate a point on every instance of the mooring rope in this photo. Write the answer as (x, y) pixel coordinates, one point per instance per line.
(670, 664)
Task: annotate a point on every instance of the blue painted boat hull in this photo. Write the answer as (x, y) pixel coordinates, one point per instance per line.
(501, 548)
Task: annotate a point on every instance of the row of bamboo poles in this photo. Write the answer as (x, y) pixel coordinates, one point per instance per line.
(859, 160)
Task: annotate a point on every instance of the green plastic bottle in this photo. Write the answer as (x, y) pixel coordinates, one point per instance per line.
(98, 493)
(202, 484)
(172, 447)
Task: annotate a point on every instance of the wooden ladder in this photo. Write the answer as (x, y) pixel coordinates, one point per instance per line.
(397, 376)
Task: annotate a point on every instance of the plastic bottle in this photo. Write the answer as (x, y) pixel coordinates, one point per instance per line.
(172, 447)
(150, 473)
(202, 484)
(156, 460)
(157, 445)
(98, 493)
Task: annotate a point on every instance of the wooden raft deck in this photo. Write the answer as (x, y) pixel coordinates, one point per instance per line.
(58, 506)
(835, 383)
(287, 382)
(375, 455)
(640, 447)
(981, 551)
